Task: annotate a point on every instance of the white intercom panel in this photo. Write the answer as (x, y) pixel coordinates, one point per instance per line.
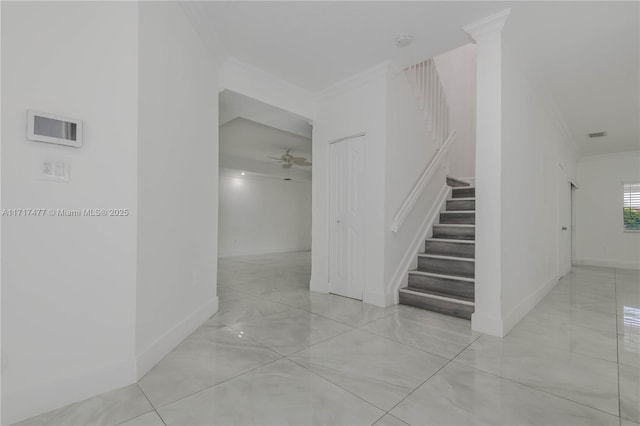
(50, 128)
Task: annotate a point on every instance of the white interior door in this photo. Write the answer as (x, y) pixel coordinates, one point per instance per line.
(566, 229)
(346, 264)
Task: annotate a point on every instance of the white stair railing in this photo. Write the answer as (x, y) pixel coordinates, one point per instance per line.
(424, 78)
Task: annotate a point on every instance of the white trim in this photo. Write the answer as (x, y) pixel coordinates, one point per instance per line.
(611, 155)
(152, 354)
(456, 225)
(235, 65)
(487, 325)
(420, 185)
(449, 277)
(448, 240)
(266, 250)
(383, 69)
(399, 276)
(198, 16)
(318, 286)
(458, 211)
(434, 296)
(608, 263)
(25, 403)
(437, 256)
(519, 311)
(488, 25)
(462, 199)
(253, 82)
(357, 135)
(376, 299)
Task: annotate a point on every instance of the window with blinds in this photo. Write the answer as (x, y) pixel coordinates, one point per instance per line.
(631, 207)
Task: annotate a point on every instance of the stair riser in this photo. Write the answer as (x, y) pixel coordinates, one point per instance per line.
(463, 192)
(436, 305)
(463, 289)
(450, 249)
(454, 233)
(458, 268)
(458, 218)
(453, 205)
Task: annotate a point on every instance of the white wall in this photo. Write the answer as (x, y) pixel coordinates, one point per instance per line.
(352, 107)
(599, 239)
(247, 80)
(534, 146)
(522, 144)
(457, 70)
(69, 283)
(178, 187)
(410, 147)
(263, 215)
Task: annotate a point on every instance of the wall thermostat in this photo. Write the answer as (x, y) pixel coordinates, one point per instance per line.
(50, 128)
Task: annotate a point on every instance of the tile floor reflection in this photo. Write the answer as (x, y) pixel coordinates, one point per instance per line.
(276, 354)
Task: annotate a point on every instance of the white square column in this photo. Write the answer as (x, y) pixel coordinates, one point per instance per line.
(487, 33)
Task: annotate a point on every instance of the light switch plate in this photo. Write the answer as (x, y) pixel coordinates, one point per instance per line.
(55, 169)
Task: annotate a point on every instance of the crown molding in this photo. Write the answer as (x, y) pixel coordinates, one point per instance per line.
(383, 69)
(610, 156)
(197, 15)
(490, 25)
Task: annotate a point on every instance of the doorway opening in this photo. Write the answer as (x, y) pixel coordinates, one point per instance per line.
(264, 225)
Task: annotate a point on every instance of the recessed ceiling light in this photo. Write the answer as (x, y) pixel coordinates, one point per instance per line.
(597, 134)
(243, 173)
(403, 40)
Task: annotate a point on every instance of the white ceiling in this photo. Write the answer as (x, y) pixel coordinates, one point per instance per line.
(234, 105)
(246, 145)
(585, 53)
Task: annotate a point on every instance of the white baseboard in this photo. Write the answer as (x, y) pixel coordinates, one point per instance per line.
(318, 285)
(608, 263)
(25, 403)
(487, 325)
(149, 357)
(258, 251)
(514, 316)
(500, 327)
(400, 275)
(377, 299)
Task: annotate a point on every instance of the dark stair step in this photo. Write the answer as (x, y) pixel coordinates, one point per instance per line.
(460, 217)
(463, 192)
(461, 204)
(462, 288)
(445, 247)
(453, 182)
(437, 303)
(455, 232)
(456, 266)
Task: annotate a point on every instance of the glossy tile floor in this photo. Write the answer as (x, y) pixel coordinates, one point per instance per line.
(276, 354)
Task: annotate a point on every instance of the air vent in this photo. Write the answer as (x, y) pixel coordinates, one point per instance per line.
(597, 134)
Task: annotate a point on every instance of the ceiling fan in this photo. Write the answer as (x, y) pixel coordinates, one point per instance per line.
(287, 160)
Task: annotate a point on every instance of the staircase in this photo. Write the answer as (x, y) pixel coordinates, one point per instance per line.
(444, 279)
